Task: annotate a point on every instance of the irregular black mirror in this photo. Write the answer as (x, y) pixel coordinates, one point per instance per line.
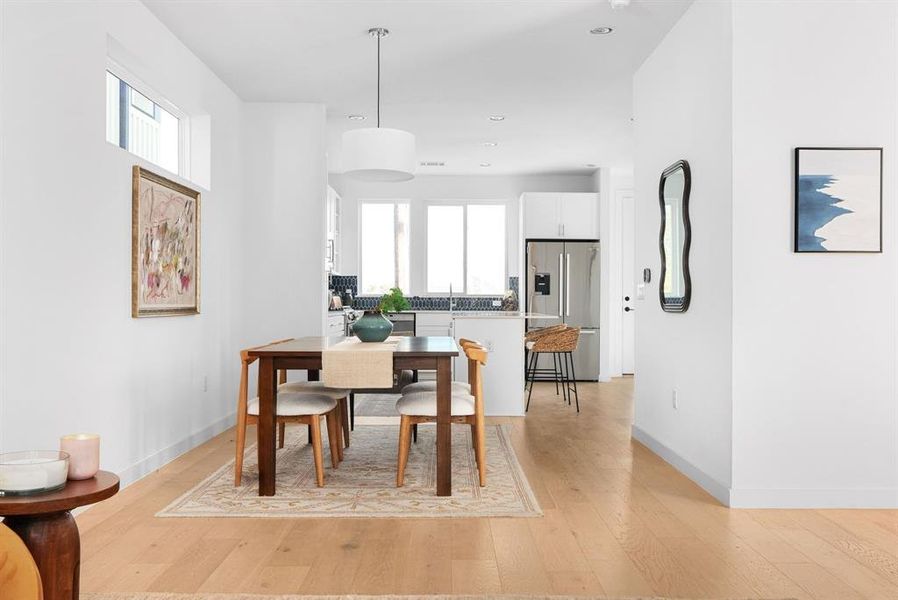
(675, 287)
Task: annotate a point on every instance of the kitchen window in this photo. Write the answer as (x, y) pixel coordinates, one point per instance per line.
(466, 249)
(140, 124)
(384, 246)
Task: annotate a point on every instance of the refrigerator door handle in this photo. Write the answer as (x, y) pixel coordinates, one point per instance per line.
(560, 294)
(567, 284)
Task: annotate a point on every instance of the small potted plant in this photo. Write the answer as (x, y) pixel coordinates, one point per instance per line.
(374, 326)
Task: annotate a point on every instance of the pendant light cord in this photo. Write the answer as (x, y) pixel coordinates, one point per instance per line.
(378, 80)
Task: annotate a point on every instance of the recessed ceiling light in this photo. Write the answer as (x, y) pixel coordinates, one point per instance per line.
(485, 165)
(490, 144)
(356, 117)
(497, 117)
(601, 30)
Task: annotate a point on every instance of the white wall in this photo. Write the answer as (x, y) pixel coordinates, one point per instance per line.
(815, 362)
(449, 187)
(683, 111)
(284, 220)
(72, 357)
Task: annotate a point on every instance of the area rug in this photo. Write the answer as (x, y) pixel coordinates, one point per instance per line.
(365, 483)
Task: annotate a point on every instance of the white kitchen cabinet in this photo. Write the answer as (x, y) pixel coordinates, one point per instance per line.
(579, 216)
(335, 325)
(429, 323)
(561, 216)
(542, 217)
(332, 237)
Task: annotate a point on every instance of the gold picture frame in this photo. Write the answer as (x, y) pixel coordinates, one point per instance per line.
(165, 246)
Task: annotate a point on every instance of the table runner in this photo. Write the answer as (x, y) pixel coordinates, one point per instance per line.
(356, 364)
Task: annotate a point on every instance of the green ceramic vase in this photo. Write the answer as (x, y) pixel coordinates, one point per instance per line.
(372, 327)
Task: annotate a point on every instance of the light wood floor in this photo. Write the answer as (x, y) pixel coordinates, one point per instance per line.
(618, 521)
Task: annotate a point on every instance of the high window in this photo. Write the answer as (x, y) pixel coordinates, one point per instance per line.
(142, 126)
(384, 246)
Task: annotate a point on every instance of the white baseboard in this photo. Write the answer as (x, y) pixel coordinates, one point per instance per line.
(815, 498)
(159, 459)
(720, 491)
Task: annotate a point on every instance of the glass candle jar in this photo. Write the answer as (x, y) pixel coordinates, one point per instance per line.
(84, 454)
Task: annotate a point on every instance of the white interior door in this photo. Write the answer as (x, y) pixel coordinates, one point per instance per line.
(628, 282)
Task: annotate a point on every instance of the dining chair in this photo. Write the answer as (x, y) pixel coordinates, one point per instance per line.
(19, 577)
(317, 387)
(467, 409)
(431, 386)
(292, 407)
(560, 342)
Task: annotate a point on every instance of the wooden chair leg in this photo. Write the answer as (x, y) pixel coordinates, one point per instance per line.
(405, 431)
(315, 432)
(332, 437)
(480, 445)
(241, 447)
(344, 420)
(338, 416)
(282, 432)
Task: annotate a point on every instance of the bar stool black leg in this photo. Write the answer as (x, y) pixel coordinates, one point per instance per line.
(532, 374)
(555, 366)
(574, 379)
(565, 382)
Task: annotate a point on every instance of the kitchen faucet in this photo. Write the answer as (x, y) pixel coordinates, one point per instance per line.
(451, 301)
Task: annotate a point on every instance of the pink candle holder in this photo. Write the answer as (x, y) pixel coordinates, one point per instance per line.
(84, 453)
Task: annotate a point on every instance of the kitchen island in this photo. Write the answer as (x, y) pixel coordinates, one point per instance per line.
(502, 333)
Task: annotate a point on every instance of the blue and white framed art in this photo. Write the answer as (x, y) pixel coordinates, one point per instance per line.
(838, 200)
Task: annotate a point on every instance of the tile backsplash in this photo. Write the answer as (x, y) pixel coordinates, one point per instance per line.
(342, 282)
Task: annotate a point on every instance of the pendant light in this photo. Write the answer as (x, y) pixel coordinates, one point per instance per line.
(379, 153)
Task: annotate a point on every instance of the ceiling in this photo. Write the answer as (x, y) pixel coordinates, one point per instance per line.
(446, 67)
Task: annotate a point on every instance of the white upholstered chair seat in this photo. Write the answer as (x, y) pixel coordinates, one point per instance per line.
(314, 387)
(431, 386)
(424, 404)
(291, 404)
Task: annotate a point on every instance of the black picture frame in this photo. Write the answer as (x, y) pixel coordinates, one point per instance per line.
(796, 212)
(682, 303)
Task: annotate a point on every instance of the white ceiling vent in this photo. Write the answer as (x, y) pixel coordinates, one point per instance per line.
(432, 163)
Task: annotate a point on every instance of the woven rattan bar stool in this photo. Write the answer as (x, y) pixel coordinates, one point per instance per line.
(560, 341)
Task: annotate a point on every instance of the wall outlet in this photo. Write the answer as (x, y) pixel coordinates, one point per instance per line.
(676, 400)
(497, 303)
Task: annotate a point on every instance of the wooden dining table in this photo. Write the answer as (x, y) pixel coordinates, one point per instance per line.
(411, 353)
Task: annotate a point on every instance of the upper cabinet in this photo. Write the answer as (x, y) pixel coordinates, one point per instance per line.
(332, 238)
(561, 216)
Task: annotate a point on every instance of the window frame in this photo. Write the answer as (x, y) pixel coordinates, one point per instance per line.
(464, 204)
(411, 228)
(129, 78)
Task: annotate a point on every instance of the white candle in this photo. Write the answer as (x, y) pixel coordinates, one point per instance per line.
(84, 452)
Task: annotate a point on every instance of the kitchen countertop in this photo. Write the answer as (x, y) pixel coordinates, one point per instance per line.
(478, 314)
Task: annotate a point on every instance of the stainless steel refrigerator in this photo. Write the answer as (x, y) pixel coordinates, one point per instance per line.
(563, 281)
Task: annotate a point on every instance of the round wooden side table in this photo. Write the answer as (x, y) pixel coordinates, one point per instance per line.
(45, 524)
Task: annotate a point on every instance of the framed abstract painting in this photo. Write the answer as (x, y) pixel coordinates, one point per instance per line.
(838, 200)
(165, 246)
